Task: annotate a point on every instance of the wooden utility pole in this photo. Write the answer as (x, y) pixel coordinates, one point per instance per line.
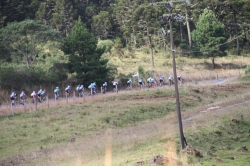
(176, 81)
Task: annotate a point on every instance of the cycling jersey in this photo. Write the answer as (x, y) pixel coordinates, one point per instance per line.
(22, 95)
(13, 95)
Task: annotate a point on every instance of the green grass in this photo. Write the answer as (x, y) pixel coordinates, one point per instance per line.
(54, 127)
(223, 139)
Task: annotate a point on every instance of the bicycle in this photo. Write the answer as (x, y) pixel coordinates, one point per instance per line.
(68, 94)
(13, 101)
(22, 100)
(129, 87)
(161, 82)
(141, 85)
(104, 89)
(171, 82)
(33, 99)
(57, 95)
(80, 93)
(92, 90)
(115, 89)
(41, 98)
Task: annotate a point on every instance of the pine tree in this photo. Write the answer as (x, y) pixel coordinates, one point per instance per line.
(63, 16)
(209, 34)
(44, 12)
(84, 56)
(102, 24)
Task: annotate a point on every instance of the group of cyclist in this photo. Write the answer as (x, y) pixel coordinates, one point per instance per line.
(41, 94)
(152, 81)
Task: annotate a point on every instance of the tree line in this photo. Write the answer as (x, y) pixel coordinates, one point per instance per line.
(50, 41)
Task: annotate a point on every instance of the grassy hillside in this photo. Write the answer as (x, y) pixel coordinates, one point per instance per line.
(189, 68)
(130, 127)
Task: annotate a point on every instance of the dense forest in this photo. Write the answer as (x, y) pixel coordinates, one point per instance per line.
(47, 42)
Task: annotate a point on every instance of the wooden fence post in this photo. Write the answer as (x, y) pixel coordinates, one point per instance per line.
(11, 106)
(47, 98)
(74, 95)
(66, 97)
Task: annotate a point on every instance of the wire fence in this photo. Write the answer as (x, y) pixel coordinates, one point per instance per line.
(51, 99)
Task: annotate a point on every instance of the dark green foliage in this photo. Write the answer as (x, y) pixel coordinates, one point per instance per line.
(124, 78)
(102, 24)
(209, 35)
(44, 12)
(26, 39)
(21, 77)
(11, 10)
(84, 56)
(63, 17)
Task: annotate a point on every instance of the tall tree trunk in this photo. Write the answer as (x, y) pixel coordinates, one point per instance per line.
(213, 64)
(188, 29)
(134, 37)
(236, 32)
(181, 32)
(151, 51)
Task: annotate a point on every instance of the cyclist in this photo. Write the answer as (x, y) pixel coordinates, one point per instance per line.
(77, 88)
(57, 92)
(170, 79)
(92, 87)
(12, 98)
(104, 87)
(80, 89)
(115, 88)
(22, 97)
(149, 82)
(153, 82)
(140, 83)
(33, 96)
(161, 80)
(179, 79)
(94, 84)
(39, 96)
(129, 84)
(43, 95)
(68, 91)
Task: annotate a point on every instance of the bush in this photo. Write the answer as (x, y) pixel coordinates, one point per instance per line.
(247, 69)
(108, 44)
(124, 78)
(18, 77)
(141, 71)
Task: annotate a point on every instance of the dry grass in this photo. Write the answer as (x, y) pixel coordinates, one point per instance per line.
(190, 69)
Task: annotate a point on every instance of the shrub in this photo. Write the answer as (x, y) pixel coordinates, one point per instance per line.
(141, 71)
(108, 44)
(247, 69)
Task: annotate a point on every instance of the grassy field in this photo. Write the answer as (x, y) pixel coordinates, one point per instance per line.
(134, 126)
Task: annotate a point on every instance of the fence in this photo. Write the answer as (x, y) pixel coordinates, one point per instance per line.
(51, 99)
